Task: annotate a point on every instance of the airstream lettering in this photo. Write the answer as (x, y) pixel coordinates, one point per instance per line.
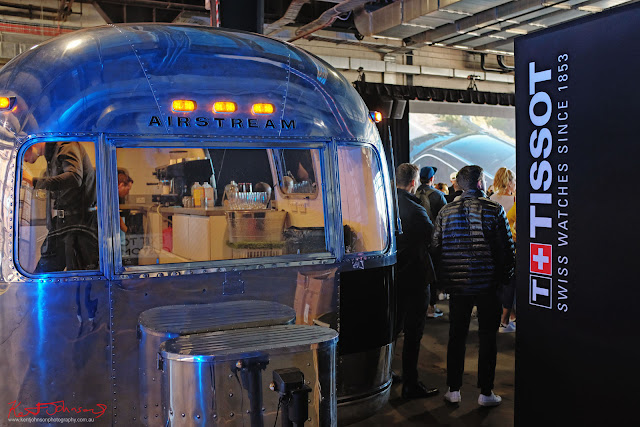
(221, 122)
(195, 228)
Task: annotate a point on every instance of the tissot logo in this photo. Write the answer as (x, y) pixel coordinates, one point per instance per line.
(540, 148)
(540, 183)
(222, 122)
(540, 292)
(540, 261)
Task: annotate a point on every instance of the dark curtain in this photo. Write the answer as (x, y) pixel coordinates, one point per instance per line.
(395, 135)
(376, 92)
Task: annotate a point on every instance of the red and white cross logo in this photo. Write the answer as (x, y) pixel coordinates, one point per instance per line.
(540, 258)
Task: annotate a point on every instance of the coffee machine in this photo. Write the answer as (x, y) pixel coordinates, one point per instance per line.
(181, 176)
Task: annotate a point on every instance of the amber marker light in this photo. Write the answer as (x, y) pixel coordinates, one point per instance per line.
(376, 116)
(263, 109)
(5, 102)
(224, 107)
(183, 105)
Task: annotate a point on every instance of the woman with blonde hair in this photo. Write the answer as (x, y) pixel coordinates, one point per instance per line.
(504, 184)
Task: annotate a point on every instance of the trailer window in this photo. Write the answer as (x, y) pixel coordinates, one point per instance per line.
(296, 174)
(58, 228)
(362, 193)
(211, 204)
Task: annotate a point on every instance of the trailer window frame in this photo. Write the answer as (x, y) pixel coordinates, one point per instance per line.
(119, 271)
(384, 203)
(103, 250)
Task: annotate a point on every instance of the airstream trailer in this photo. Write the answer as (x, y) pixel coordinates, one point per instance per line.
(177, 199)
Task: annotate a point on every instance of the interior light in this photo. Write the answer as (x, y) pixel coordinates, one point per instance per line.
(183, 105)
(520, 31)
(594, 9)
(224, 107)
(5, 102)
(263, 109)
(376, 116)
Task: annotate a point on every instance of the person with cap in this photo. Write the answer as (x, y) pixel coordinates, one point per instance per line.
(454, 189)
(432, 200)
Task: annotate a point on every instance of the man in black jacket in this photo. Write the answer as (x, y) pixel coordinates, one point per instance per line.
(415, 272)
(474, 256)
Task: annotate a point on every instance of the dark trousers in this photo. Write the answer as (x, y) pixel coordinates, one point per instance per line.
(71, 244)
(489, 312)
(412, 311)
(433, 295)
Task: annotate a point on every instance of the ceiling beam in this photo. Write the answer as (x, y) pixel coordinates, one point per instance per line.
(554, 13)
(167, 5)
(479, 20)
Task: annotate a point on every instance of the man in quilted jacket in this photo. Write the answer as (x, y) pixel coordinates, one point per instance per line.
(474, 256)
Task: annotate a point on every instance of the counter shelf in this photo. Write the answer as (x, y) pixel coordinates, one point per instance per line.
(159, 324)
(224, 378)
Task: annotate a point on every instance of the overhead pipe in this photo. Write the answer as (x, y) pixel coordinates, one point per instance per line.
(396, 14)
(503, 65)
(289, 16)
(328, 17)
(29, 7)
(46, 16)
(65, 9)
(503, 68)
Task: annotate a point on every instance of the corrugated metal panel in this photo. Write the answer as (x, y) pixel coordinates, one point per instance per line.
(341, 63)
(463, 74)
(367, 65)
(471, 7)
(503, 78)
(435, 71)
(400, 68)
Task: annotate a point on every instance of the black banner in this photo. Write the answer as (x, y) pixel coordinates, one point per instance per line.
(578, 228)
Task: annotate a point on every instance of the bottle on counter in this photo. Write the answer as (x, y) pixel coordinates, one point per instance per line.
(231, 194)
(208, 194)
(198, 194)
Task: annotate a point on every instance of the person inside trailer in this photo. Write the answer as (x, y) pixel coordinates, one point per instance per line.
(287, 184)
(71, 218)
(301, 174)
(124, 186)
(125, 182)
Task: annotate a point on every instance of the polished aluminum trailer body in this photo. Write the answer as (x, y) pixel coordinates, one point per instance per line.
(71, 337)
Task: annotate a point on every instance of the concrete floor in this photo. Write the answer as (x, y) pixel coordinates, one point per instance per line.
(432, 366)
